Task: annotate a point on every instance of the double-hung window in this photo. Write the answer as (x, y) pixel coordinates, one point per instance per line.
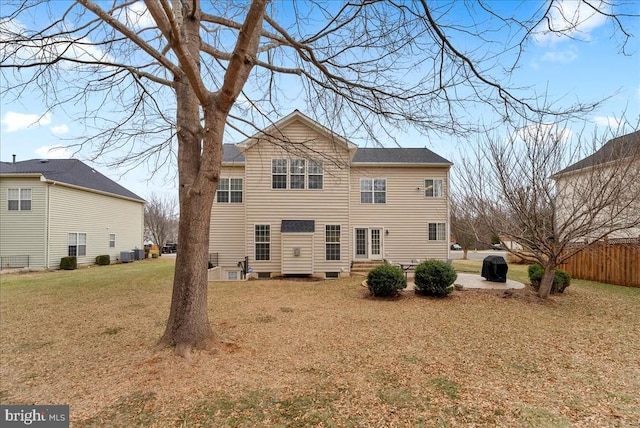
(437, 231)
(77, 244)
(19, 199)
(433, 188)
(278, 173)
(263, 242)
(112, 240)
(296, 178)
(332, 242)
(315, 174)
(373, 190)
(229, 190)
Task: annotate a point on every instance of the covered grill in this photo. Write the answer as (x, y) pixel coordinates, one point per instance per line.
(494, 268)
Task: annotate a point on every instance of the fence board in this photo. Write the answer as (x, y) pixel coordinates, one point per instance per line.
(609, 262)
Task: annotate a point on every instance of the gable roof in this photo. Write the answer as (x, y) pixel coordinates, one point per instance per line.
(67, 171)
(232, 154)
(398, 155)
(613, 150)
(296, 115)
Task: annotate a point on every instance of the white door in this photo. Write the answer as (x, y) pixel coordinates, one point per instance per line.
(369, 243)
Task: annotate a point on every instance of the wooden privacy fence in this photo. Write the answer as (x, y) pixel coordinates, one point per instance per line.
(612, 262)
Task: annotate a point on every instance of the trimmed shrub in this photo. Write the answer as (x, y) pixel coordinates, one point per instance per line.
(435, 278)
(155, 255)
(103, 260)
(561, 279)
(386, 280)
(69, 263)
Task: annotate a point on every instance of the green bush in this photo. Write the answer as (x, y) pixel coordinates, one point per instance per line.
(155, 255)
(103, 260)
(435, 278)
(386, 280)
(69, 263)
(561, 279)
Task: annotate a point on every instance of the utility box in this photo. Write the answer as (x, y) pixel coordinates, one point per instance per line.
(138, 254)
(126, 256)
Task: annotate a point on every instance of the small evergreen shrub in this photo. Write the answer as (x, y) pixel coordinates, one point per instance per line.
(386, 280)
(155, 255)
(69, 263)
(103, 260)
(561, 279)
(435, 278)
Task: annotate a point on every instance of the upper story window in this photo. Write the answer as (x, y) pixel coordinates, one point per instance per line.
(229, 190)
(433, 188)
(373, 190)
(296, 174)
(19, 199)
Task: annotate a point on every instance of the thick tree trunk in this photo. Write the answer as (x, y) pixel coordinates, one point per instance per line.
(547, 281)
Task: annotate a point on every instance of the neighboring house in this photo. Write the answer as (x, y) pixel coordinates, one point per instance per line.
(61, 207)
(581, 187)
(297, 199)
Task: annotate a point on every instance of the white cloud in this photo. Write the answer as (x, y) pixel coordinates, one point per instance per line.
(563, 57)
(14, 121)
(608, 121)
(137, 15)
(60, 129)
(54, 152)
(571, 19)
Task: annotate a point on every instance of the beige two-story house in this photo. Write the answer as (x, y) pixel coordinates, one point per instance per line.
(62, 207)
(297, 199)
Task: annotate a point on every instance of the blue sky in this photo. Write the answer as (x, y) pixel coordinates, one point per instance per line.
(586, 67)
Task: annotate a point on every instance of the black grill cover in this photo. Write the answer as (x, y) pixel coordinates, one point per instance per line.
(494, 268)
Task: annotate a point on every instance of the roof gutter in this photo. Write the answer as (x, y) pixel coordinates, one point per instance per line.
(87, 189)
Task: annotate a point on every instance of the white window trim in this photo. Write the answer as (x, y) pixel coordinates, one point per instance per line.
(289, 173)
(20, 198)
(338, 242)
(443, 237)
(439, 188)
(255, 242)
(373, 191)
(77, 243)
(228, 191)
(112, 240)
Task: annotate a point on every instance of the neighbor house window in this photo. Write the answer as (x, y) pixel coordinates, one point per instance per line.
(19, 199)
(278, 173)
(112, 240)
(433, 188)
(296, 174)
(77, 244)
(229, 191)
(332, 242)
(263, 241)
(437, 231)
(373, 190)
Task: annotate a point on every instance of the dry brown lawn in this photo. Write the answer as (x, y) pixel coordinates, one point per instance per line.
(319, 354)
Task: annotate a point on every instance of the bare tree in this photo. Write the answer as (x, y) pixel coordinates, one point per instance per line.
(542, 188)
(173, 70)
(466, 225)
(160, 218)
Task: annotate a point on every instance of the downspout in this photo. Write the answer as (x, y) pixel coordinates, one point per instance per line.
(47, 222)
(448, 240)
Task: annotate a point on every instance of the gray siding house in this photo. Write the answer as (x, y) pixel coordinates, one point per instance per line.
(297, 199)
(55, 208)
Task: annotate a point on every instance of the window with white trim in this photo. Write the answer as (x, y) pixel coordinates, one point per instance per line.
(112, 240)
(437, 232)
(19, 199)
(373, 190)
(77, 244)
(296, 174)
(262, 242)
(229, 190)
(332, 242)
(433, 188)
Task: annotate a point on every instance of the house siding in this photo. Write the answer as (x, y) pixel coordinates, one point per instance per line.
(24, 232)
(76, 210)
(265, 205)
(406, 213)
(227, 231)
